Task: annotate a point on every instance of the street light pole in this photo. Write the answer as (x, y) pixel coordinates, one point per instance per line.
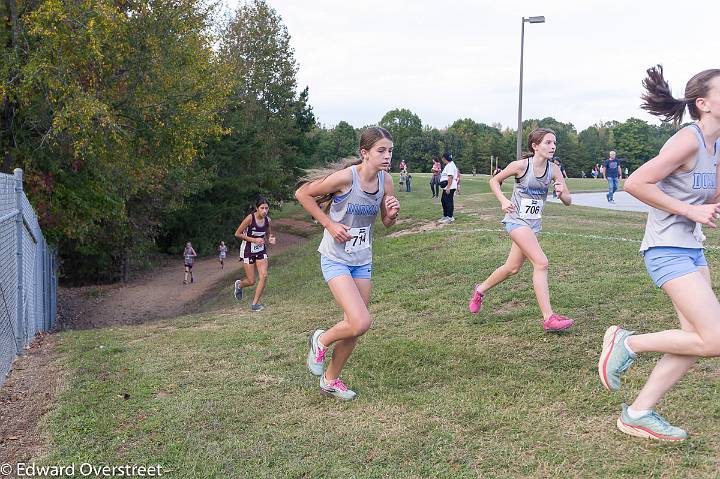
(522, 47)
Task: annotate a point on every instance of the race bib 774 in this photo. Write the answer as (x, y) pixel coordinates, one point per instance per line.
(360, 239)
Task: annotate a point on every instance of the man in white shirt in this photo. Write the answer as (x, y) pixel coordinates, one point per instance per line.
(448, 182)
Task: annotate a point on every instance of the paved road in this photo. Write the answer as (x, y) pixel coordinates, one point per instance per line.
(623, 201)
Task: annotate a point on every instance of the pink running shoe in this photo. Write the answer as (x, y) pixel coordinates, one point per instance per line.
(336, 388)
(475, 304)
(557, 323)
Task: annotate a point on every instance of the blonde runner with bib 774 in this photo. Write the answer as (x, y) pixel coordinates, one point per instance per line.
(355, 194)
(523, 221)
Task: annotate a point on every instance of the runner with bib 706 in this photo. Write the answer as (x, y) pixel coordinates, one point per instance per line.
(523, 221)
(353, 194)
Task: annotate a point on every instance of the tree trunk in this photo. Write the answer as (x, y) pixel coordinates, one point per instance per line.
(125, 265)
(14, 34)
(7, 108)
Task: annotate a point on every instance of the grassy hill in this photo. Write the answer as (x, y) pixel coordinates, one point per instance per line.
(442, 393)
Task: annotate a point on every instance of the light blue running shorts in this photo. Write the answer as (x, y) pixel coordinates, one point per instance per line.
(332, 269)
(669, 262)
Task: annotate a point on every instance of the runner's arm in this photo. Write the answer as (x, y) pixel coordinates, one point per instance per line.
(678, 153)
(389, 206)
(336, 183)
(716, 198)
(270, 234)
(513, 169)
(240, 232)
(561, 188)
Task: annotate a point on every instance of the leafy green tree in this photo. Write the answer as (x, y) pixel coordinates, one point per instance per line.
(402, 124)
(419, 151)
(480, 141)
(332, 145)
(594, 143)
(268, 125)
(109, 104)
(634, 142)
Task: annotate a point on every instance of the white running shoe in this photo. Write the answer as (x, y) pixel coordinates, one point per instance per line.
(336, 388)
(316, 354)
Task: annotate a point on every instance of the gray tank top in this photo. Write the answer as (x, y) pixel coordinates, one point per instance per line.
(695, 187)
(529, 196)
(358, 210)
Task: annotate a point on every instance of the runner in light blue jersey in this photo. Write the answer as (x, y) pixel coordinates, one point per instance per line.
(189, 255)
(354, 196)
(523, 221)
(680, 186)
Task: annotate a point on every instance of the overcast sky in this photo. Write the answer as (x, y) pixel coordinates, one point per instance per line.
(446, 60)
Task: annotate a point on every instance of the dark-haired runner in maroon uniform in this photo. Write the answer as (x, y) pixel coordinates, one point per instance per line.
(253, 231)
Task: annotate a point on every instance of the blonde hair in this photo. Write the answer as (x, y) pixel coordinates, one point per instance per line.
(368, 138)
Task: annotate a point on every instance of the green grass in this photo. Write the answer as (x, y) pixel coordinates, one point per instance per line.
(225, 393)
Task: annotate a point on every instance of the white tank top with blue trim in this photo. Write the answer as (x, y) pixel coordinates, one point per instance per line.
(696, 187)
(358, 210)
(529, 195)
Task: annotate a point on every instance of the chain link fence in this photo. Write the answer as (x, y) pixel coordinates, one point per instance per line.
(28, 273)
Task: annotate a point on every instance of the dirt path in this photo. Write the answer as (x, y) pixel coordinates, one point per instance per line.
(158, 295)
(36, 377)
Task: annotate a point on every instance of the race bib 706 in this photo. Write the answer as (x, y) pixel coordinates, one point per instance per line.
(531, 209)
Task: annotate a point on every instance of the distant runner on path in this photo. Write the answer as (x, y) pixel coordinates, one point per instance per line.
(222, 253)
(189, 256)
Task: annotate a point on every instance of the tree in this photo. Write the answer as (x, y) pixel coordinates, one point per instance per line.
(109, 105)
(634, 142)
(335, 144)
(268, 125)
(480, 141)
(402, 124)
(419, 151)
(594, 143)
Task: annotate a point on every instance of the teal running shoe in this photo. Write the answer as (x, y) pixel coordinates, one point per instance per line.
(651, 426)
(336, 388)
(615, 358)
(316, 354)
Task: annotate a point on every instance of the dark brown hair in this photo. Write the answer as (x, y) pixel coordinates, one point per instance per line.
(536, 137)
(659, 101)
